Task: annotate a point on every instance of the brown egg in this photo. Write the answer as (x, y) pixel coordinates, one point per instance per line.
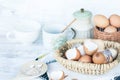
(115, 20)
(99, 58)
(101, 21)
(86, 59)
(73, 54)
(110, 29)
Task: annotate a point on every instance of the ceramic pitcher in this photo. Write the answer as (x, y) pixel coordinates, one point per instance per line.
(82, 24)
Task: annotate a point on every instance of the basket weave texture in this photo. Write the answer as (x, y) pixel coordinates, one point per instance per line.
(106, 36)
(86, 68)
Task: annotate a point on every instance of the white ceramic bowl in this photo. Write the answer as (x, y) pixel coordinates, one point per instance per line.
(39, 67)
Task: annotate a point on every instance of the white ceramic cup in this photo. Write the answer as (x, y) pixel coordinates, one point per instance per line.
(53, 37)
(26, 32)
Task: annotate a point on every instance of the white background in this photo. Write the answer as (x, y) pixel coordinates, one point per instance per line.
(55, 10)
(42, 11)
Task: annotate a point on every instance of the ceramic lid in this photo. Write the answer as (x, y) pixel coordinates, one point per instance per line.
(82, 14)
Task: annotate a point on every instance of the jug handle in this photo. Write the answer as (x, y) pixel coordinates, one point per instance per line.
(74, 33)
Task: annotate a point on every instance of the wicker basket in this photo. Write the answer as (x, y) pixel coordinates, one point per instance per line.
(106, 36)
(86, 68)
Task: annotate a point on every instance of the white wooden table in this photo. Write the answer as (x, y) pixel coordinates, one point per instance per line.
(13, 55)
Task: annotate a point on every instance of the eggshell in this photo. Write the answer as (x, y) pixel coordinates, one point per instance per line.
(100, 44)
(111, 59)
(57, 75)
(113, 52)
(90, 47)
(115, 20)
(101, 21)
(110, 29)
(81, 49)
(73, 54)
(86, 59)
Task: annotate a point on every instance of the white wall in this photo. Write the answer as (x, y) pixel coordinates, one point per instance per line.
(58, 10)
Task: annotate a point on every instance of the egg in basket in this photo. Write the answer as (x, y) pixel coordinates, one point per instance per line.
(89, 56)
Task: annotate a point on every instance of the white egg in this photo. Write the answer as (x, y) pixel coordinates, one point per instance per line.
(57, 75)
(90, 47)
(73, 54)
(81, 49)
